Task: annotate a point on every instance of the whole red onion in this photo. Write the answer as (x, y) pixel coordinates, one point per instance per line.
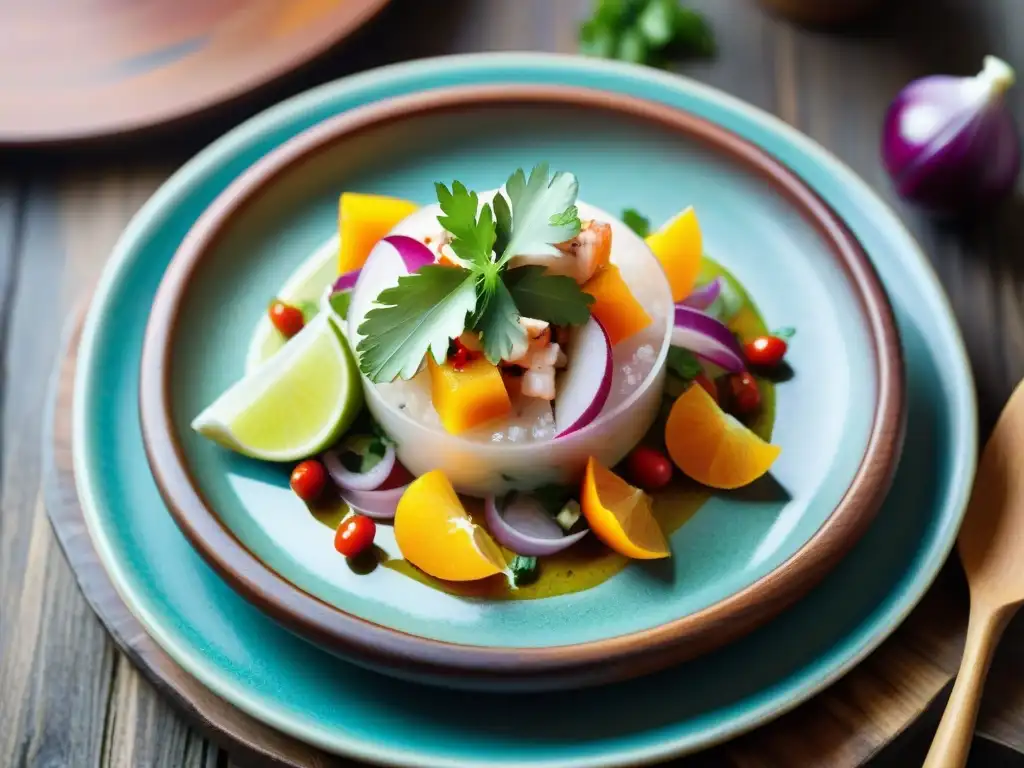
(951, 143)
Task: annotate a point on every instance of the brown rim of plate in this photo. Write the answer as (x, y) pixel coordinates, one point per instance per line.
(164, 112)
(599, 661)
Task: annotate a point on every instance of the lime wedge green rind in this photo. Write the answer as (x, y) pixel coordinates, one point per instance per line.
(293, 406)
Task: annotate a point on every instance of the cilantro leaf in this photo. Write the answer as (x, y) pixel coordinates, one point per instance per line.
(633, 47)
(425, 311)
(692, 36)
(499, 326)
(645, 32)
(637, 222)
(502, 223)
(473, 235)
(556, 299)
(340, 301)
(598, 38)
(657, 22)
(683, 363)
(543, 211)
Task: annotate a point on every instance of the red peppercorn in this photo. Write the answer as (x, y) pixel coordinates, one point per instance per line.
(308, 480)
(355, 535)
(286, 318)
(649, 469)
(765, 351)
(744, 395)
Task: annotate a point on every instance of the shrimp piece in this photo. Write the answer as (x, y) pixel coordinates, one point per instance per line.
(591, 249)
(578, 258)
(538, 334)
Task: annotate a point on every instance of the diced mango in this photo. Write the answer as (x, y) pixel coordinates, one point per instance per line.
(614, 305)
(362, 221)
(679, 247)
(468, 397)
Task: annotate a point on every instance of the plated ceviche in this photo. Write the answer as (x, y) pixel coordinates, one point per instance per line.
(500, 374)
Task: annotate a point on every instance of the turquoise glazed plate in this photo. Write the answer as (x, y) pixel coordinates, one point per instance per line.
(740, 559)
(251, 661)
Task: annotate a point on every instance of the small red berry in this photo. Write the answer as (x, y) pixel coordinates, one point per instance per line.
(744, 395)
(765, 351)
(309, 480)
(355, 535)
(649, 469)
(709, 385)
(286, 318)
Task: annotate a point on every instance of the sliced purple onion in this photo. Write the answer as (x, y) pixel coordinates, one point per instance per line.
(380, 505)
(346, 282)
(524, 527)
(414, 253)
(348, 480)
(707, 338)
(587, 381)
(705, 296)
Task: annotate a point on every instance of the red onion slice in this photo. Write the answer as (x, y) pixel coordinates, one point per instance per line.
(348, 480)
(705, 296)
(414, 253)
(524, 527)
(380, 505)
(346, 282)
(707, 338)
(584, 387)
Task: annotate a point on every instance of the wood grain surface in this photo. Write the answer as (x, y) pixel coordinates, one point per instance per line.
(69, 698)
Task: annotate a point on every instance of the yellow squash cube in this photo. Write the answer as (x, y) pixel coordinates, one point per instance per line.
(363, 220)
(614, 305)
(468, 397)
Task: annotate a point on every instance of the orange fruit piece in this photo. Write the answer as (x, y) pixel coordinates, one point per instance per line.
(620, 515)
(679, 247)
(363, 220)
(614, 305)
(468, 397)
(435, 534)
(711, 446)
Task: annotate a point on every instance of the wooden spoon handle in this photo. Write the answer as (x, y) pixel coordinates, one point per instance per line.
(953, 739)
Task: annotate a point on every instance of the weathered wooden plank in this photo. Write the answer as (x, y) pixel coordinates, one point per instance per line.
(55, 660)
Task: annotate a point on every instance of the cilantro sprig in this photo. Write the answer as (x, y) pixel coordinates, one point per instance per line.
(651, 32)
(427, 309)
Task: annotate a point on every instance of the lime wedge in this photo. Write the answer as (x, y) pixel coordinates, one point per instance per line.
(294, 404)
(305, 285)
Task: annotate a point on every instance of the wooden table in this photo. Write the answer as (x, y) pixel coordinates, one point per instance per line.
(67, 698)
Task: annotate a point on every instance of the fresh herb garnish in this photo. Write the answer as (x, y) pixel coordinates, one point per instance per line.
(543, 212)
(683, 363)
(637, 222)
(524, 570)
(419, 316)
(787, 332)
(499, 326)
(650, 32)
(339, 302)
(556, 299)
(427, 309)
(363, 453)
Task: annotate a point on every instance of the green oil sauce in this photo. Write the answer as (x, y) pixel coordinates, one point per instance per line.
(589, 562)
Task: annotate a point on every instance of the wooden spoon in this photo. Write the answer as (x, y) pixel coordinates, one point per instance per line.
(991, 548)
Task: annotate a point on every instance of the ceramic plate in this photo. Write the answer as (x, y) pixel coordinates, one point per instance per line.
(736, 562)
(74, 70)
(267, 671)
